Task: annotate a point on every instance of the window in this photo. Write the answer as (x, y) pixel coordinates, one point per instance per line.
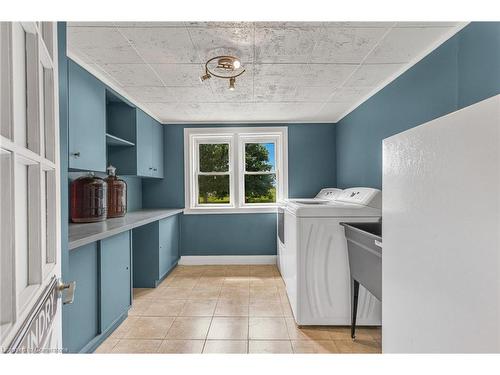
(235, 169)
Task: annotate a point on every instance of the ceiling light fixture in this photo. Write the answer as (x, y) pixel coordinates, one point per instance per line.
(205, 76)
(232, 81)
(224, 67)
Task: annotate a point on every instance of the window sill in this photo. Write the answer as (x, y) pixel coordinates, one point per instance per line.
(223, 211)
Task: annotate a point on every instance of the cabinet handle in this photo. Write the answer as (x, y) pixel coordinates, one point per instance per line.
(154, 169)
(75, 154)
(150, 168)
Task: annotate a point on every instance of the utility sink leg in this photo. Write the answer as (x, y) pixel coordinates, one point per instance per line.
(354, 308)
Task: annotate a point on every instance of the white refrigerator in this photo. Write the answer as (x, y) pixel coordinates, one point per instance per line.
(441, 234)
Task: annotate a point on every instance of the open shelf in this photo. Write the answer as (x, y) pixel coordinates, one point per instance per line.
(111, 140)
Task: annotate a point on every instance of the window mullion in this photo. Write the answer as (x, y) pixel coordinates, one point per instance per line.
(234, 177)
(260, 172)
(213, 173)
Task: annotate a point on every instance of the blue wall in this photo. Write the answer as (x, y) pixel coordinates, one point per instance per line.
(311, 166)
(462, 71)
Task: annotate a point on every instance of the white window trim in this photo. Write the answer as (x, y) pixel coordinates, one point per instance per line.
(236, 137)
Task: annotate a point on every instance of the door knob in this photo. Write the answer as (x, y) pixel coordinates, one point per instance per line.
(75, 154)
(68, 290)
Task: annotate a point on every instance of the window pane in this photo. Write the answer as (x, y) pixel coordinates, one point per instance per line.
(48, 113)
(22, 226)
(260, 188)
(259, 157)
(5, 80)
(213, 189)
(214, 157)
(50, 216)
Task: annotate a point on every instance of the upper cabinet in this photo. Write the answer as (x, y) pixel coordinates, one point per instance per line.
(149, 146)
(157, 150)
(144, 144)
(141, 151)
(87, 120)
(105, 128)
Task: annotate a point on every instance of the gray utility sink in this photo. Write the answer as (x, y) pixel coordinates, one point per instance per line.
(364, 246)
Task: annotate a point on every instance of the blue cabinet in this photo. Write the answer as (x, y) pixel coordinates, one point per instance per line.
(144, 144)
(115, 259)
(145, 158)
(149, 146)
(81, 318)
(169, 244)
(103, 294)
(87, 120)
(155, 251)
(157, 150)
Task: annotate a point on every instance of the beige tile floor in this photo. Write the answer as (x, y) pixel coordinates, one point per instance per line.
(226, 309)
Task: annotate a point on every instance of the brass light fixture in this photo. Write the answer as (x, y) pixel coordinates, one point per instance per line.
(224, 67)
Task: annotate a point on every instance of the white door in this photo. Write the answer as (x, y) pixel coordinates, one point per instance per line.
(30, 310)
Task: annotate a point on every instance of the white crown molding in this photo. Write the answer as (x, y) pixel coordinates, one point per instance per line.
(195, 260)
(101, 77)
(412, 63)
(261, 123)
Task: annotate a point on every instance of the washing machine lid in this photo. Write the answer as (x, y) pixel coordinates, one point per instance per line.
(312, 201)
(324, 196)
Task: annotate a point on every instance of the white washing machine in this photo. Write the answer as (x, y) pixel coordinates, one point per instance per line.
(314, 262)
(324, 196)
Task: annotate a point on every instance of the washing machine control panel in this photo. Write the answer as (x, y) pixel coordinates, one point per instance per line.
(329, 193)
(363, 196)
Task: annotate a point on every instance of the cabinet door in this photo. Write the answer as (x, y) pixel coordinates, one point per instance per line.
(144, 144)
(157, 149)
(169, 244)
(145, 255)
(87, 120)
(81, 318)
(115, 278)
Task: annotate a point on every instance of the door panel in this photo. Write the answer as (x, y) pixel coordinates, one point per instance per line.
(169, 244)
(157, 150)
(115, 278)
(87, 120)
(146, 255)
(81, 318)
(144, 144)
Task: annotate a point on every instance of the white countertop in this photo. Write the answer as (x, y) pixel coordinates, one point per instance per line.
(83, 234)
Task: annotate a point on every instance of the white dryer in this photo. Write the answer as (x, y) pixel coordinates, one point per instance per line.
(314, 262)
(324, 196)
